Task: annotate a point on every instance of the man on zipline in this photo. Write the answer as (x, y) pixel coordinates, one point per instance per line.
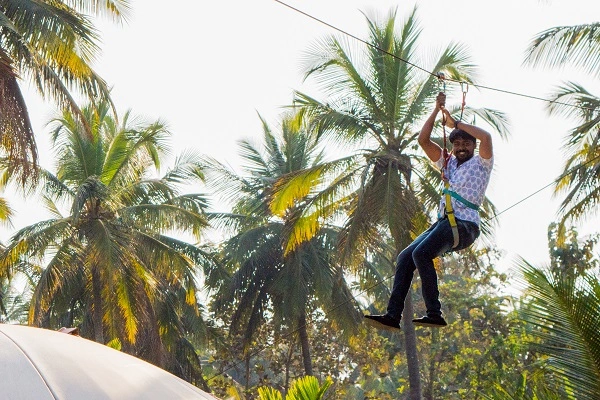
(466, 175)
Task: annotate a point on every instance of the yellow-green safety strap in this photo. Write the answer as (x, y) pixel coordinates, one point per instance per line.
(450, 214)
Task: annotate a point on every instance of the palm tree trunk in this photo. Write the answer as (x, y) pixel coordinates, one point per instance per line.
(410, 341)
(154, 351)
(304, 344)
(97, 307)
(69, 321)
(288, 363)
(247, 365)
(401, 239)
(203, 383)
(428, 393)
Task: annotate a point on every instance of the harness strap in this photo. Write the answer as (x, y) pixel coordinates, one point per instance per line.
(450, 214)
(458, 197)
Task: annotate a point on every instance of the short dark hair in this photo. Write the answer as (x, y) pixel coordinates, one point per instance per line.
(460, 134)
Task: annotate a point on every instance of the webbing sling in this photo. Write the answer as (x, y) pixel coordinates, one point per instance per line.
(450, 213)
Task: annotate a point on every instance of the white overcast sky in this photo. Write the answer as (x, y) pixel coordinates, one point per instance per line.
(207, 68)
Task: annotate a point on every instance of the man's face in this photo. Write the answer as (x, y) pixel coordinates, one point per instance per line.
(463, 149)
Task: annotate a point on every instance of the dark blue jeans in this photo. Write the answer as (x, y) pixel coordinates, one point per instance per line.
(420, 254)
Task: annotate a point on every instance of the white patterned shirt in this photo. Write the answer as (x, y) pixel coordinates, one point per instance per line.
(469, 180)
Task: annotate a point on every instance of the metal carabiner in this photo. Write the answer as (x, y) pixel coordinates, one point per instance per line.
(464, 87)
(442, 81)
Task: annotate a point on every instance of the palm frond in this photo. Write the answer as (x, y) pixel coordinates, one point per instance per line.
(578, 45)
(57, 275)
(330, 62)
(308, 388)
(496, 119)
(34, 240)
(375, 273)
(117, 9)
(17, 132)
(361, 230)
(144, 191)
(119, 151)
(296, 186)
(338, 120)
(164, 259)
(223, 180)
(573, 94)
(6, 212)
(581, 184)
(341, 307)
(166, 217)
(188, 168)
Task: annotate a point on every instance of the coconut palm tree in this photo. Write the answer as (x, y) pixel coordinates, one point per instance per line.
(268, 278)
(109, 263)
(51, 44)
(578, 46)
(375, 100)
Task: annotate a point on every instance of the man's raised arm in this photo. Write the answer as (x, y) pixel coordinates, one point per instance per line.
(433, 151)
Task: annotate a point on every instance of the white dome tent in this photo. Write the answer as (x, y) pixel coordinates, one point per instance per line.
(40, 364)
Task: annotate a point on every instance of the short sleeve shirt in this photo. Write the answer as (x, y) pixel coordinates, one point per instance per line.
(469, 180)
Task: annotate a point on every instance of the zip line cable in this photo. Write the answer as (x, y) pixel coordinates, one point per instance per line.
(259, 350)
(346, 33)
(564, 174)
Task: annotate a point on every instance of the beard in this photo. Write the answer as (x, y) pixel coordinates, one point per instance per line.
(463, 156)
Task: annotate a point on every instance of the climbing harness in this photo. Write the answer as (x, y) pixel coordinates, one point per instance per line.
(448, 209)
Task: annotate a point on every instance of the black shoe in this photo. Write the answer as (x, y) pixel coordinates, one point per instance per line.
(434, 321)
(383, 322)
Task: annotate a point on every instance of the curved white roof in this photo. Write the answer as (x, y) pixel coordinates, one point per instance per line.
(40, 364)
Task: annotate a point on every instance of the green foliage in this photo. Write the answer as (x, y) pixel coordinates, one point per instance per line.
(269, 393)
(305, 388)
(569, 255)
(564, 308)
(528, 387)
